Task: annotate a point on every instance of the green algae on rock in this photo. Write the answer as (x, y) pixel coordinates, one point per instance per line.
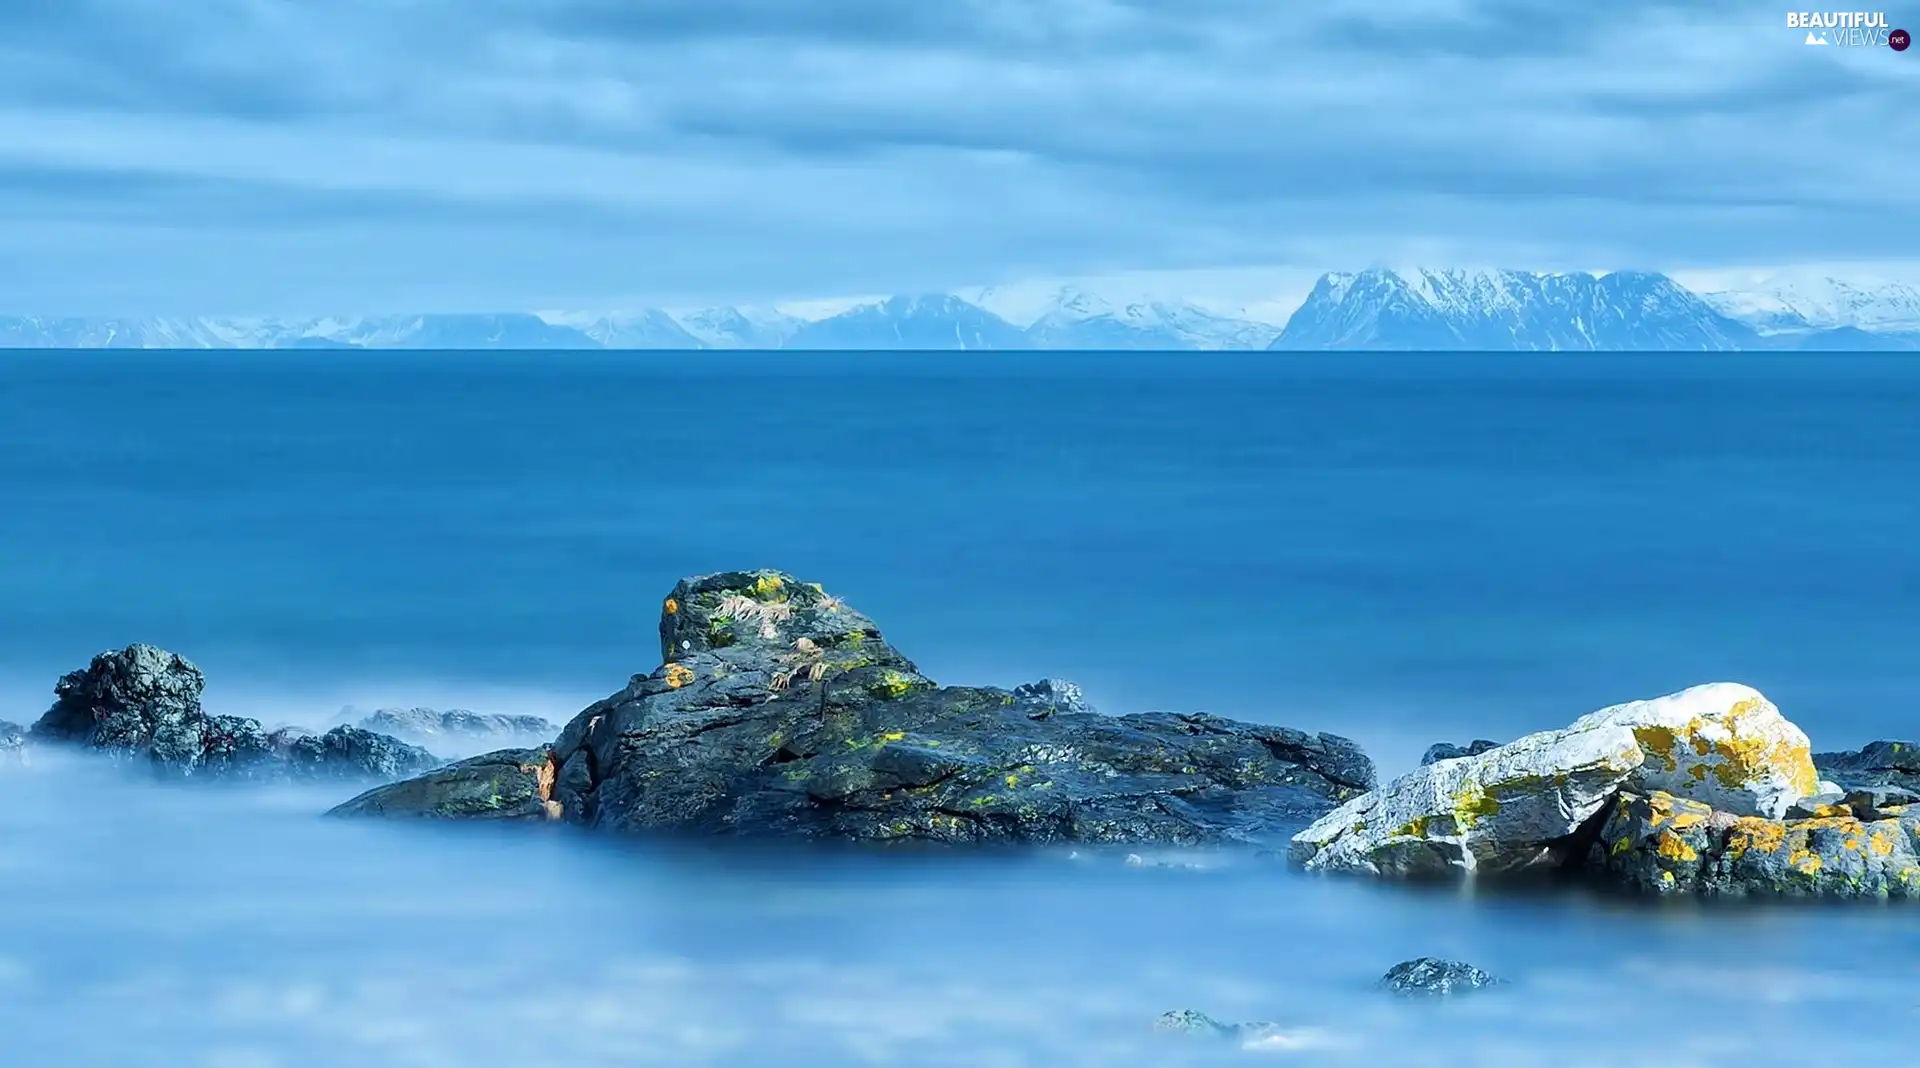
(778, 710)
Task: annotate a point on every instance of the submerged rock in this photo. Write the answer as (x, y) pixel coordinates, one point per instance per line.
(1448, 751)
(509, 784)
(425, 726)
(1200, 1025)
(1876, 764)
(779, 710)
(1515, 808)
(1662, 844)
(13, 743)
(143, 703)
(1434, 977)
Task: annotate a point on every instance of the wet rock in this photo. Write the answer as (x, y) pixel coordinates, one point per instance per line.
(1049, 696)
(779, 710)
(13, 744)
(352, 753)
(1894, 764)
(1661, 844)
(1434, 977)
(512, 784)
(425, 726)
(1722, 744)
(1513, 809)
(143, 703)
(1448, 751)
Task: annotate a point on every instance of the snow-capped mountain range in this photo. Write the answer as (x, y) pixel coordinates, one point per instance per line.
(1377, 308)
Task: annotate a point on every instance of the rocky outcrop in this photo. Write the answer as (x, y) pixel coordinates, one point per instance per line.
(143, 703)
(513, 784)
(1439, 751)
(1722, 744)
(13, 744)
(1434, 977)
(426, 727)
(1516, 808)
(1877, 764)
(779, 710)
(1194, 1024)
(1662, 844)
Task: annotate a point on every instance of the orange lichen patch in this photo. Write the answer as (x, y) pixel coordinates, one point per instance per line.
(1699, 772)
(1805, 861)
(1880, 841)
(545, 774)
(1831, 811)
(678, 675)
(1672, 847)
(1660, 741)
(672, 606)
(1755, 833)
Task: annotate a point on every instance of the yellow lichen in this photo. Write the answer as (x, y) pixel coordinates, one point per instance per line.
(1752, 833)
(671, 606)
(678, 675)
(1415, 829)
(766, 586)
(1880, 842)
(1012, 781)
(1472, 803)
(1805, 861)
(1699, 772)
(1671, 846)
(891, 685)
(893, 736)
(1659, 741)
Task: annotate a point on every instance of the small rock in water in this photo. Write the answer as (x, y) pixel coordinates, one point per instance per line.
(1448, 751)
(1192, 1022)
(13, 743)
(1434, 977)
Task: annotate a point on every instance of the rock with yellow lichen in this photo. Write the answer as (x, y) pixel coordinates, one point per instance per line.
(1516, 808)
(512, 784)
(779, 710)
(1660, 844)
(1722, 744)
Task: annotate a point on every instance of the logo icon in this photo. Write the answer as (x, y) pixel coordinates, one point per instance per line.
(1820, 40)
(1898, 40)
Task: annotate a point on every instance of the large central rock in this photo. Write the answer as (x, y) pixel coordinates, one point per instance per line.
(779, 710)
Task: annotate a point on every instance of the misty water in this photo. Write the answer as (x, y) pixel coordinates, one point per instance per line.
(1400, 549)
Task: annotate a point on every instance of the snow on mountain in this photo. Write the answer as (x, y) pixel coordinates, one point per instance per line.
(1779, 302)
(1076, 319)
(515, 331)
(1434, 310)
(650, 328)
(940, 321)
(741, 328)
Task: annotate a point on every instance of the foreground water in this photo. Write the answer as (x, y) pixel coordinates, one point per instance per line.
(1400, 549)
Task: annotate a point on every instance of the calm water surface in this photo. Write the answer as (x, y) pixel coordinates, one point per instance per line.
(1401, 549)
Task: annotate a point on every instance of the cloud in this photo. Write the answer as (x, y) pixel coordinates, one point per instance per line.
(760, 149)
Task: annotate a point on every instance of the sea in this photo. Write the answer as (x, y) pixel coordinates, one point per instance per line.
(1399, 548)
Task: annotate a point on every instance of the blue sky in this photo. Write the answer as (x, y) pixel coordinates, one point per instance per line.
(306, 156)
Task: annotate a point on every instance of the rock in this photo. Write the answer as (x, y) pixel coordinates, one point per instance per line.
(1722, 744)
(1048, 696)
(424, 726)
(1876, 764)
(13, 744)
(1824, 803)
(1200, 1025)
(512, 784)
(138, 701)
(1448, 751)
(1878, 803)
(352, 753)
(779, 710)
(1516, 808)
(143, 702)
(1662, 844)
(1434, 977)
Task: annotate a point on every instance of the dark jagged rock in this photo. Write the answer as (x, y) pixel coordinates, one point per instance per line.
(1434, 977)
(142, 702)
(509, 784)
(1660, 844)
(1049, 696)
(425, 726)
(352, 753)
(1875, 764)
(1448, 751)
(781, 711)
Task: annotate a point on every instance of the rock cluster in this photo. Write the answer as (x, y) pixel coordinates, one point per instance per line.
(425, 726)
(780, 710)
(143, 703)
(13, 744)
(1708, 791)
(1434, 977)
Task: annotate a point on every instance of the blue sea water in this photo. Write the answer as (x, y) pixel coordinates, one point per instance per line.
(1402, 549)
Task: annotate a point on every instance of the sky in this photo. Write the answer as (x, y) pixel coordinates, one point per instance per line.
(320, 156)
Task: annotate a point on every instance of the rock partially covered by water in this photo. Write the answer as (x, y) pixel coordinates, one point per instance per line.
(779, 710)
(510, 784)
(1877, 764)
(13, 743)
(1661, 844)
(143, 703)
(1439, 751)
(1434, 977)
(425, 726)
(1512, 809)
(1189, 1022)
